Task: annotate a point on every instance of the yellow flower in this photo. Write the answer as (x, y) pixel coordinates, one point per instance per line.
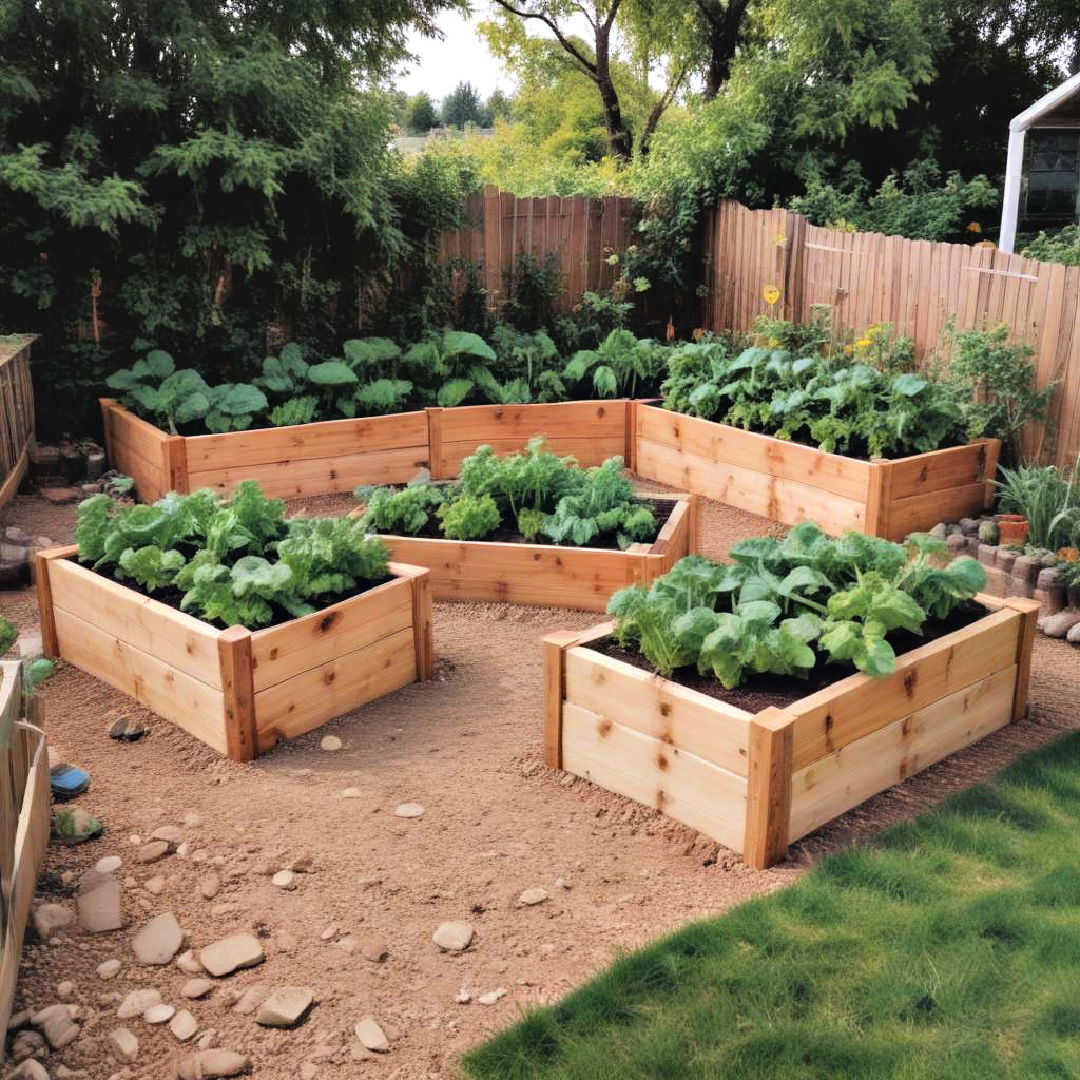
(863, 343)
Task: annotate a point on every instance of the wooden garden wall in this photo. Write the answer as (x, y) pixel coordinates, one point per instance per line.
(915, 285)
(16, 415)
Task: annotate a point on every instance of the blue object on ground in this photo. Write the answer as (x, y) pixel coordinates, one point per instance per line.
(67, 780)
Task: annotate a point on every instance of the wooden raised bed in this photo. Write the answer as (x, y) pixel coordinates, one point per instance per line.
(789, 482)
(337, 455)
(546, 574)
(237, 690)
(757, 783)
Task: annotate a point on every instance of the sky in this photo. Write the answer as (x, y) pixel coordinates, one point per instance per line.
(462, 55)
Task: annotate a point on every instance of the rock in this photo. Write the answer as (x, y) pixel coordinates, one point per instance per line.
(127, 729)
(206, 1039)
(26, 1044)
(108, 864)
(186, 961)
(251, 999)
(137, 1002)
(532, 897)
(155, 885)
(1027, 568)
(74, 825)
(492, 996)
(192, 820)
(65, 991)
(969, 526)
(171, 834)
(953, 530)
(1058, 626)
(109, 969)
(957, 544)
(372, 1035)
(183, 1025)
(160, 1013)
(159, 940)
(454, 936)
(210, 1064)
(409, 810)
(124, 1044)
(987, 554)
(329, 933)
(940, 531)
(330, 743)
(98, 901)
(60, 496)
(350, 793)
(50, 919)
(231, 953)
(152, 852)
(57, 1025)
(286, 1006)
(302, 864)
(1005, 561)
(1073, 636)
(196, 988)
(373, 949)
(284, 879)
(463, 996)
(210, 886)
(30, 1070)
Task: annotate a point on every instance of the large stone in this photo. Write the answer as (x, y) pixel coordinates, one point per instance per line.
(1074, 634)
(74, 825)
(27, 1044)
(108, 969)
(183, 1025)
(1057, 626)
(453, 936)
(161, 1013)
(30, 1070)
(251, 999)
(57, 1025)
(211, 1064)
(409, 810)
(51, 919)
(152, 852)
(159, 940)
(285, 1007)
(230, 954)
(98, 902)
(137, 1002)
(124, 1044)
(196, 988)
(171, 834)
(371, 1034)
(532, 897)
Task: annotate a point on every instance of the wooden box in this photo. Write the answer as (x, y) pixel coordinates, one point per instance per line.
(789, 482)
(237, 690)
(546, 574)
(758, 782)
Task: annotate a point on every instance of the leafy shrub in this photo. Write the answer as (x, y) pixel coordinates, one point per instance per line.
(403, 512)
(622, 365)
(1050, 500)
(239, 562)
(1059, 247)
(469, 517)
(785, 606)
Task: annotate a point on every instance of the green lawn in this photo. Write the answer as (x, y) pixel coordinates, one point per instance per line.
(950, 949)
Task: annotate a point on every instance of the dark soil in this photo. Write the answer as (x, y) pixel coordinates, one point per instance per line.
(508, 534)
(762, 691)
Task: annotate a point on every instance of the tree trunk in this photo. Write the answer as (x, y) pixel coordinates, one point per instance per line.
(725, 34)
(620, 140)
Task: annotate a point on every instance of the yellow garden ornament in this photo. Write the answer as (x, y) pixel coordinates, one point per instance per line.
(771, 294)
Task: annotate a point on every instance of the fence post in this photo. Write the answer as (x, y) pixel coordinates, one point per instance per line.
(492, 244)
(435, 450)
(768, 794)
(238, 690)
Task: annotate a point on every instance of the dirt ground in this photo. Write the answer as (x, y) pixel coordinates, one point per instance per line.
(466, 746)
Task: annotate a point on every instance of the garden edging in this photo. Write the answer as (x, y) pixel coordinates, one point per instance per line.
(758, 782)
(239, 691)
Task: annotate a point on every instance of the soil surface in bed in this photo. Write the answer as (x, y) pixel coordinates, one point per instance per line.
(762, 691)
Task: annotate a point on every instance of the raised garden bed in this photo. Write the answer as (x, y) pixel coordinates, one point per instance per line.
(757, 782)
(337, 455)
(789, 482)
(239, 691)
(548, 574)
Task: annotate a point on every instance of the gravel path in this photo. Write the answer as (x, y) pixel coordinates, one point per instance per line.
(495, 822)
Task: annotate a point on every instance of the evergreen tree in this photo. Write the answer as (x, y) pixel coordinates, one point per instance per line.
(462, 106)
(420, 114)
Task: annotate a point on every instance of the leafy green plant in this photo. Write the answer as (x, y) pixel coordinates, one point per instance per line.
(1059, 247)
(405, 512)
(235, 562)
(297, 410)
(620, 366)
(9, 634)
(785, 606)
(469, 517)
(1050, 500)
(603, 504)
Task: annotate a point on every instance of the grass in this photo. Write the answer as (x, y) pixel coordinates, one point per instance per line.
(949, 950)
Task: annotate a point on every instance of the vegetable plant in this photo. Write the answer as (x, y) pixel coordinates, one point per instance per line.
(784, 607)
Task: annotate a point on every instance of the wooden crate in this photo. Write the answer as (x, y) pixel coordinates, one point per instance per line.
(758, 782)
(546, 574)
(789, 482)
(237, 690)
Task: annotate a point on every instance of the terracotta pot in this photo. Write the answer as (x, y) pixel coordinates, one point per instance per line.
(1013, 529)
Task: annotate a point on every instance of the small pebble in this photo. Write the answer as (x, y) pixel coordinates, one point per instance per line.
(284, 879)
(108, 864)
(330, 743)
(409, 810)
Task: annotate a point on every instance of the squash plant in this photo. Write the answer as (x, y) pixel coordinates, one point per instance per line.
(785, 606)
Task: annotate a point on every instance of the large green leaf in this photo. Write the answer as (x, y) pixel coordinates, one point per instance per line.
(332, 373)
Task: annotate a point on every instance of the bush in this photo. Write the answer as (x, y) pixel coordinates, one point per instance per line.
(1059, 247)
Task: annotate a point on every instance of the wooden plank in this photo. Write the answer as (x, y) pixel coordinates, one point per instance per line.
(673, 781)
(238, 692)
(586, 450)
(419, 578)
(435, 447)
(14, 477)
(188, 702)
(952, 467)
(43, 561)
(318, 476)
(305, 442)
(177, 639)
(922, 512)
(713, 443)
(768, 795)
(174, 457)
(553, 647)
(282, 652)
(339, 685)
(658, 707)
(853, 707)
(888, 755)
(878, 500)
(581, 419)
(1028, 610)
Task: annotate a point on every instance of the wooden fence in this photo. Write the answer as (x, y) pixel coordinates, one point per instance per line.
(24, 825)
(915, 285)
(16, 414)
(500, 227)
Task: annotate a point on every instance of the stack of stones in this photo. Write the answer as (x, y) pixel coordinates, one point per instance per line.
(1010, 573)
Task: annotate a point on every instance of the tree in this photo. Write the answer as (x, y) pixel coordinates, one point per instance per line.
(184, 173)
(462, 106)
(497, 107)
(420, 114)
